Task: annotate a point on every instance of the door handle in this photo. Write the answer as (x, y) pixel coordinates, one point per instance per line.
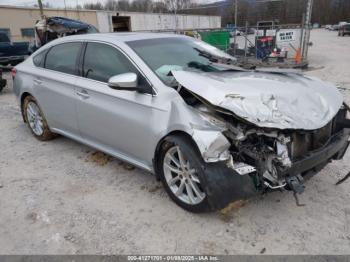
(83, 94)
(38, 81)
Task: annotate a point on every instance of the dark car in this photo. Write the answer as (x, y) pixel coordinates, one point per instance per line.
(2, 81)
(344, 30)
(12, 52)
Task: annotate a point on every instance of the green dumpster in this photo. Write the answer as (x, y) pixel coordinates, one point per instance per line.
(219, 39)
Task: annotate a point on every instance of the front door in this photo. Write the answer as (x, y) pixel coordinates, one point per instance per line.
(114, 120)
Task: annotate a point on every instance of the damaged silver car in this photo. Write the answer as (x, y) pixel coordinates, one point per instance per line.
(212, 132)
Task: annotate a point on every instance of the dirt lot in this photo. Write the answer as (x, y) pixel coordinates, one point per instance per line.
(61, 197)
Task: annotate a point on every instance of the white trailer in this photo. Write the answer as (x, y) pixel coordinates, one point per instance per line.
(134, 21)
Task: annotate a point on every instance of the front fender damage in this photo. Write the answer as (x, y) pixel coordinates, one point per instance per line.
(225, 180)
(213, 145)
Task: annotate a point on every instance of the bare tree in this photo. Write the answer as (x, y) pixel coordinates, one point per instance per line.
(176, 5)
(111, 5)
(93, 6)
(142, 6)
(160, 7)
(124, 5)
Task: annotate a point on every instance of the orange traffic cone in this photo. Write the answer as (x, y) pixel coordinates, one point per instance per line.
(297, 56)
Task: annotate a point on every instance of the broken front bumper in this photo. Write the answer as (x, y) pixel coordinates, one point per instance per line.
(335, 148)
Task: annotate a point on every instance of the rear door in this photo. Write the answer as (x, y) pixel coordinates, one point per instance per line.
(55, 86)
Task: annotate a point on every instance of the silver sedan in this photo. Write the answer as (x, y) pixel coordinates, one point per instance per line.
(175, 106)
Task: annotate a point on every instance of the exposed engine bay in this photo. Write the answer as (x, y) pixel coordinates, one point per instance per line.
(275, 158)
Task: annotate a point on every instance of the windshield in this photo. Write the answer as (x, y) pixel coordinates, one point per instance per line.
(164, 55)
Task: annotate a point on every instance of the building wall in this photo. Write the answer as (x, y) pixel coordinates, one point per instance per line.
(149, 21)
(15, 18)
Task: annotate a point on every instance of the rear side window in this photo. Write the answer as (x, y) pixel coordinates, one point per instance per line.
(63, 57)
(102, 61)
(39, 59)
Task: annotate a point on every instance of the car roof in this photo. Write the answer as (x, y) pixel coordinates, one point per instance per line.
(119, 37)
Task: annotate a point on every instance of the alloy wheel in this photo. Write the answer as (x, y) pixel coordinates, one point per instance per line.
(181, 177)
(35, 118)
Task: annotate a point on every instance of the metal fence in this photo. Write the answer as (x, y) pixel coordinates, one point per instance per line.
(271, 45)
(258, 45)
(261, 37)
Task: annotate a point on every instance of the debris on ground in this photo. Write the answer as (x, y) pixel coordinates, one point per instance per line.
(1, 185)
(32, 216)
(263, 250)
(343, 179)
(99, 158)
(128, 167)
(227, 212)
(70, 237)
(152, 188)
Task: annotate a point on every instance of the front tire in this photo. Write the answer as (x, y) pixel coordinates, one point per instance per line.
(181, 172)
(35, 119)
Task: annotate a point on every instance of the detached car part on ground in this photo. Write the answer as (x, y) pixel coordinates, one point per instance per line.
(177, 107)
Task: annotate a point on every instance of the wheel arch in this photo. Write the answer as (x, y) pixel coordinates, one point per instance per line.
(178, 133)
(23, 96)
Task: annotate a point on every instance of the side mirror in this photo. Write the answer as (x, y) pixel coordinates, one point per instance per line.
(127, 81)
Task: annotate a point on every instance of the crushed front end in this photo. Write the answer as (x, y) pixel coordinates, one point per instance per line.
(277, 159)
(265, 159)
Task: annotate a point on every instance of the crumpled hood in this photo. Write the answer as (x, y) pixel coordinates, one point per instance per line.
(273, 100)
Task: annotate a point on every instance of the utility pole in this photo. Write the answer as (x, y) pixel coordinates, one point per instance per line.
(77, 7)
(307, 30)
(235, 36)
(175, 16)
(65, 7)
(41, 8)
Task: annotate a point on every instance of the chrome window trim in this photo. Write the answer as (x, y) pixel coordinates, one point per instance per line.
(155, 91)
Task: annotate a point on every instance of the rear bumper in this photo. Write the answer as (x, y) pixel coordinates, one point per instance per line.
(335, 148)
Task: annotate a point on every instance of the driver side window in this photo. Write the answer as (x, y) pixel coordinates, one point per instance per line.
(103, 61)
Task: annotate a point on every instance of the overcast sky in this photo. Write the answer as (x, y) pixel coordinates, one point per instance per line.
(60, 3)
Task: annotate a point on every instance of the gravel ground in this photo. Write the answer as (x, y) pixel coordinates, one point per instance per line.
(61, 197)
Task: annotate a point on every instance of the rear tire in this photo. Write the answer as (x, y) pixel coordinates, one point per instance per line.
(35, 119)
(181, 171)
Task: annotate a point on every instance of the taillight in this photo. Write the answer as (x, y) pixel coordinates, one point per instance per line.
(13, 73)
